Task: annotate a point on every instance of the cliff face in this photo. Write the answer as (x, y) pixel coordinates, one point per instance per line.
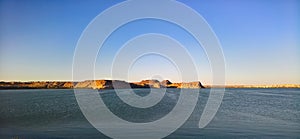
(98, 84)
(192, 85)
(168, 84)
(148, 84)
(102, 84)
(165, 83)
(108, 84)
(94, 84)
(186, 85)
(36, 85)
(68, 85)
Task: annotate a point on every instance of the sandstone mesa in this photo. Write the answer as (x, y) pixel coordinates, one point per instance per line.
(98, 84)
(110, 84)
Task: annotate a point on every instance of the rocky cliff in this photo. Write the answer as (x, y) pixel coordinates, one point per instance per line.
(36, 85)
(186, 85)
(109, 84)
(148, 84)
(98, 84)
(102, 84)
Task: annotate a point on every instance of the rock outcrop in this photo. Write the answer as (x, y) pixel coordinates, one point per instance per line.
(186, 85)
(165, 83)
(148, 84)
(36, 85)
(98, 84)
(109, 84)
(102, 84)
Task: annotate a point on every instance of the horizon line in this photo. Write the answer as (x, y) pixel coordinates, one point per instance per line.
(272, 84)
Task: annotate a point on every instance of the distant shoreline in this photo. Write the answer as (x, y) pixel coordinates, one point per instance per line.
(257, 86)
(98, 84)
(110, 84)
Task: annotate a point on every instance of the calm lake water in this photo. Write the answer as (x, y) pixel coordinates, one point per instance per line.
(244, 113)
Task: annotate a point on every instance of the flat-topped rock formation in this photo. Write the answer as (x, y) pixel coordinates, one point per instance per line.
(186, 85)
(98, 84)
(36, 85)
(110, 84)
(168, 84)
(148, 84)
(102, 84)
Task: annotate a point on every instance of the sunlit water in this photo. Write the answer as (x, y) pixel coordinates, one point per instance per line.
(244, 113)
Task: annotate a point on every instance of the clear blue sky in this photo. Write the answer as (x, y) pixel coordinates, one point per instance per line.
(260, 40)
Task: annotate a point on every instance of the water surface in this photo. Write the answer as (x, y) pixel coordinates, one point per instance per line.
(244, 113)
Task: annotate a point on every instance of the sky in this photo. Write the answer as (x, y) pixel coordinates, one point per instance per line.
(259, 39)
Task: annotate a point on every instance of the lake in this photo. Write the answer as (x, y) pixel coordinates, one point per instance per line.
(244, 113)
